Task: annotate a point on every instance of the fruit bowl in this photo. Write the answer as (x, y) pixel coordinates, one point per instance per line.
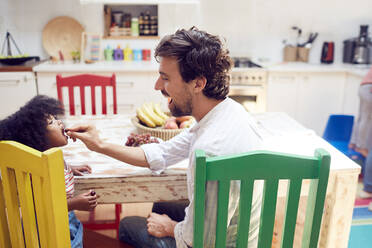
(159, 132)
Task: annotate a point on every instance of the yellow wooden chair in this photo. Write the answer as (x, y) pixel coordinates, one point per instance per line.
(33, 205)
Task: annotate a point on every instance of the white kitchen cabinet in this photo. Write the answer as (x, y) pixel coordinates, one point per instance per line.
(309, 97)
(16, 88)
(282, 93)
(320, 94)
(133, 89)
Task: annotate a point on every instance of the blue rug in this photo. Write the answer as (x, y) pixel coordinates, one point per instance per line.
(361, 225)
(360, 236)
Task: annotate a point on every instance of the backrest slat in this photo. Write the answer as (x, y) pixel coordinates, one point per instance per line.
(199, 195)
(222, 207)
(315, 202)
(82, 99)
(291, 210)
(11, 201)
(27, 206)
(246, 194)
(38, 185)
(104, 106)
(93, 96)
(113, 83)
(71, 99)
(4, 230)
(268, 213)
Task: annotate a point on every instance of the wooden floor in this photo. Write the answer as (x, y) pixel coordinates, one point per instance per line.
(107, 211)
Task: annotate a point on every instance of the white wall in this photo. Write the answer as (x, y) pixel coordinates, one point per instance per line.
(25, 20)
(253, 28)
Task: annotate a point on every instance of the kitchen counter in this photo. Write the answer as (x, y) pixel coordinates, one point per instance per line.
(101, 66)
(358, 70)
(153, 66)
(27, 66)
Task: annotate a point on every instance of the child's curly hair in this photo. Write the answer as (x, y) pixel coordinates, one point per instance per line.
(29, 124)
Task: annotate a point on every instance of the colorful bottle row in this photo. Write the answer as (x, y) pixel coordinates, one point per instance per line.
(127, 54)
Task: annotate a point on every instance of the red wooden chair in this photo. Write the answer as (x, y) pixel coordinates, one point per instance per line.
(92, 81)
(87, 80)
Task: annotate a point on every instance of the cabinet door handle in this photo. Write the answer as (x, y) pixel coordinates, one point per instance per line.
(17, 81)
(289, 78)
(125, 84)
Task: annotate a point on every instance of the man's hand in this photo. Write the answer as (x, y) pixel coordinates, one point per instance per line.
(80, 170)
(160, 225)
(85, 201)
(88, 134)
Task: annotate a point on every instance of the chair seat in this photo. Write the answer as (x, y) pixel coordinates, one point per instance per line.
(343, 147)
(96, 240)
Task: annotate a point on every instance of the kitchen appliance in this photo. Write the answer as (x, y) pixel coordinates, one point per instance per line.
(349, 47)
(248, 85)
(358, 50)
(361, 52)
(327, 53)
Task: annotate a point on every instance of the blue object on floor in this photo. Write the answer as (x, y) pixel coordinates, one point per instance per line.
(338, 133)
(361, 213)
(360, 236)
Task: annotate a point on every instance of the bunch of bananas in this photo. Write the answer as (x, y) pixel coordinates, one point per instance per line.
(151, 114)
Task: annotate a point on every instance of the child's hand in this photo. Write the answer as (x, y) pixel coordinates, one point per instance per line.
(80, 170)
(85, 202)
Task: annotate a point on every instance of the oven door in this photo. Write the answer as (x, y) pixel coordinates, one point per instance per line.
(252, 97)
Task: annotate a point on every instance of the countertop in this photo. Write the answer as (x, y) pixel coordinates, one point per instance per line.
(101, 66)
(358, 70)
(153, 66)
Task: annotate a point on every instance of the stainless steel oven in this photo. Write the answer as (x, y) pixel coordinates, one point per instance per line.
(248, 87)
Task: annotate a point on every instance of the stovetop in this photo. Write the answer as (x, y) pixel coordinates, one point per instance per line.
(244, 62)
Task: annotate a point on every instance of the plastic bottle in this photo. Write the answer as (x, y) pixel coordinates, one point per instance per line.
(128, 53)
(135, 26)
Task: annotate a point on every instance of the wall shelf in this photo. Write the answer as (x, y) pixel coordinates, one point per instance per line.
(131, 37)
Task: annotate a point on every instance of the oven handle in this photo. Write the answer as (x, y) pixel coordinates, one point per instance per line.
(246, 90)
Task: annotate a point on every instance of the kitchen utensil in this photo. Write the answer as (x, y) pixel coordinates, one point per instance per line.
(309, 41)
(327, 53)
(62, 34)
(299, 32)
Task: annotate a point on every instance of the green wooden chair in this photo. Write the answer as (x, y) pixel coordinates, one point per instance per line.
(270, 167)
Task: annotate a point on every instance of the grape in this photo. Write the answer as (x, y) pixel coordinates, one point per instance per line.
(140, 139)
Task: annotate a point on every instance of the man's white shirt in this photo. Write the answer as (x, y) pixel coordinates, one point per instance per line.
(227, 129)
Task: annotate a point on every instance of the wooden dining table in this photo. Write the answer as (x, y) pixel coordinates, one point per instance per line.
(117, 182)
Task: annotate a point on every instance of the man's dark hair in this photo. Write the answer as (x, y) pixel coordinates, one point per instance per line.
(199, 54)
(29, 124)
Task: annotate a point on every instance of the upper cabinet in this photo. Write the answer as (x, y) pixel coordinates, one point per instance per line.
(136, 2)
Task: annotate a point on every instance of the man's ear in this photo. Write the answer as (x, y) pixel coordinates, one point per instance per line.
(199, 84)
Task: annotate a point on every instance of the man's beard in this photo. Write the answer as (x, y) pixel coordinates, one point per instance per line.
(178, 111)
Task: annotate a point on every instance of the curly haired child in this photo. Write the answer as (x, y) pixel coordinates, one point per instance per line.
(36, 125)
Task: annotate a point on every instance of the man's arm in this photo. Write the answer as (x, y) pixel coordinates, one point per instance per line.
(88, 134)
